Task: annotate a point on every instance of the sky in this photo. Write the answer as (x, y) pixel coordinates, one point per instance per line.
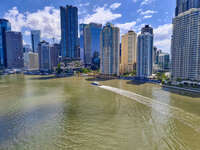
(26, 15)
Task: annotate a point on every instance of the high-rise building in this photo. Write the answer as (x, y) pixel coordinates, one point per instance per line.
(185, 5)
(163, 61)
(14, 46)
(185, 49)
(145, 53)
(69, 31)
(82, 26)
(148, 29)
(92, 34)
(44, 56)
(110, 46)
(54, 53)
(35, 39)
(128, 53)
(31, 61)
(4, 26)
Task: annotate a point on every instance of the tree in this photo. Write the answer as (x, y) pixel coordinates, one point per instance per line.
(59, 69)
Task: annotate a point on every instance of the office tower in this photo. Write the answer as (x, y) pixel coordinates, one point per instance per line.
(44, 56)
(185, 49)
(54, 54)
(110, 45)
(69, 31)
(4, 26)
(31, 61)
(163, 61)
(35, 39)
(128, 53)
(82, 26)
(145, 53)
(92, 34)
(14, 46)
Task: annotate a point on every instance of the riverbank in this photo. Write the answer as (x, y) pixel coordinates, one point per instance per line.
(180, 88)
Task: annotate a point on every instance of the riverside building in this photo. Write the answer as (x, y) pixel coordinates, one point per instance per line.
(110, 46)
(128, 52)
(186, 41)
(145, 53)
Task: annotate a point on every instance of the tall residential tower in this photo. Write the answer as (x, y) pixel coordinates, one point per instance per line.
(145, 53)
(110, 46)
(185, 49)
(128, 52)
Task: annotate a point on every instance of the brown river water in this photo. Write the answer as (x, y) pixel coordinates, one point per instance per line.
(70, 113)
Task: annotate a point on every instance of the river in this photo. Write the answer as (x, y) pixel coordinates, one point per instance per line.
(70, 113)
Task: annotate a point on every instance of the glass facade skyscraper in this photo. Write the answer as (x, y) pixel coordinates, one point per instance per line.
(35, 39)
(69, 32)
(92, 34)
(4, 26)
(145, 53)
(82, 26)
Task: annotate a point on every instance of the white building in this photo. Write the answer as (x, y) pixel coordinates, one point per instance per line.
(31, 61)
(186, 44)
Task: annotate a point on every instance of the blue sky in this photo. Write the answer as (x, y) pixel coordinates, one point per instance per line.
(25, 15)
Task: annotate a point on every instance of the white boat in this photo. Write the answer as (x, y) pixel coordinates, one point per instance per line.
(95, 83)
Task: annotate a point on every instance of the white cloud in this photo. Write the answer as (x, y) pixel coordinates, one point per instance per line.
(146, 2)
(147, 12)
(47, 20)
(101, 15)
(126, 26)
(162, 37)
(16, 19)
(147, 17)
(115, 6)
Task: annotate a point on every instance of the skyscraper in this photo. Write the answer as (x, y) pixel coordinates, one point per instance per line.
(14, 48)
(35, 39)
(69, 31)
(44, 56)
(163, 61)
(185, 49)
(4, 26)
(54, 54)
(145, 52)
(92, 34)
(82, 26)
(185, 5)
(110, 45)
(128, 53)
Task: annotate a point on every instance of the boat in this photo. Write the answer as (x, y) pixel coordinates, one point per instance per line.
(95, 83)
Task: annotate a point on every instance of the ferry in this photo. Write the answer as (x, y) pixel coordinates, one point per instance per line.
(95, 83)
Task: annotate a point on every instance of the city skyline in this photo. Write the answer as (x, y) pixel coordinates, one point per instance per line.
(158, 16)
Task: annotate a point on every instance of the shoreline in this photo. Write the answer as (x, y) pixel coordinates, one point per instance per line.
(180, 88)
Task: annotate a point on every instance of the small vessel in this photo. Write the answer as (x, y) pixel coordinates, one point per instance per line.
(95, 83)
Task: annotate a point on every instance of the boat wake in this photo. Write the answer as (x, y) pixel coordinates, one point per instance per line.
(186, 118)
